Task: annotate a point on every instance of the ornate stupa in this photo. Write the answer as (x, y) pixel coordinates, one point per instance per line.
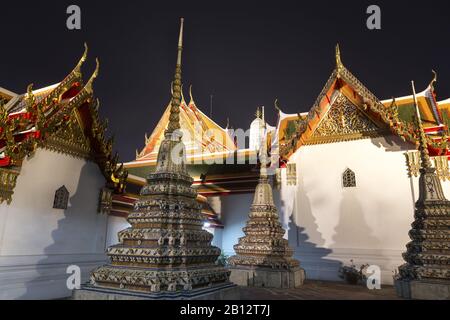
(426, 273)
(165, 253)
(264, 258)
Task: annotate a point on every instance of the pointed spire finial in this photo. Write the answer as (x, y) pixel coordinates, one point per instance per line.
(174, 118)
(263, 117)
(263, 158)
(339, 64)
(258, 113)
(423, 147)
(180, 42)
(263, 147)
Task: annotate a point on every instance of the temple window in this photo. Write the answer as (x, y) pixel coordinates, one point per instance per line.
(348, 179)
(61, 198)
(291, 174)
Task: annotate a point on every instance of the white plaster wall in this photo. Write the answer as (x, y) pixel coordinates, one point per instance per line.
(329, 224)
(217, 236)
(235, 211)
(37, 242)
(216, 204)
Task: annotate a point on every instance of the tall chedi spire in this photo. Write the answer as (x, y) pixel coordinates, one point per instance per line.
(264, 258)
(165, 253)
(426, 273)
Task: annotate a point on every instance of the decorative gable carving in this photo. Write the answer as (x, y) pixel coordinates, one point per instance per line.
(343, 121)
(70, 139)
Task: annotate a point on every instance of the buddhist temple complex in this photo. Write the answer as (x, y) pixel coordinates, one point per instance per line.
(56, 168)
(204, 211)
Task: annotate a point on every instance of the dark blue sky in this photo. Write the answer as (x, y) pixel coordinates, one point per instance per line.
(245, 53)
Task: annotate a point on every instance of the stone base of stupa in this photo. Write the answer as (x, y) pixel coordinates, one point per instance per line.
(227, 291)
(266, 277)
(423, 290)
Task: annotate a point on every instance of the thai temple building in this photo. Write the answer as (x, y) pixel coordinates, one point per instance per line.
(343, 177)
(56, 166)
(350, 183)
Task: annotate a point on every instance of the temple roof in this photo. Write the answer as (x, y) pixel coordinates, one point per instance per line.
(347, 110)
(212, 173)
(428, 107)
(287, 124)
(7, 95)
(62, 117)
(19, 103)
(201, 135)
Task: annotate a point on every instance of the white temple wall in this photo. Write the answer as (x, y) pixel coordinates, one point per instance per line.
(329, 225)
(235, 211)
(216, 205)
(37, 242)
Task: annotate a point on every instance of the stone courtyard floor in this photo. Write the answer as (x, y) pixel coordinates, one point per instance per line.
(320, 290)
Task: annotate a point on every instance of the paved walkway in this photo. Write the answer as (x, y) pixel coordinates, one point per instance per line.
(320, 290)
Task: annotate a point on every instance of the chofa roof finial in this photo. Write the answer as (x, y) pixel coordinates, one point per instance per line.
(434, 80)
(190, 95)
(339, 64)
(277, 107)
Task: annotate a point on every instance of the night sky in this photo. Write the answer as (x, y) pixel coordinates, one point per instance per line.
(244, 53)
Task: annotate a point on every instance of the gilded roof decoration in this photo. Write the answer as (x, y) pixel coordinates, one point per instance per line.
(389, 113)
(61, 117)
(343, 121)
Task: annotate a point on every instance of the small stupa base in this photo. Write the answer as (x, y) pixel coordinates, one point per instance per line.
(423, 290)
(266, 277)
(226, 291)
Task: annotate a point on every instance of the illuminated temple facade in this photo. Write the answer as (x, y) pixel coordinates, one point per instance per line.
(56, 168)
(344, 176)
